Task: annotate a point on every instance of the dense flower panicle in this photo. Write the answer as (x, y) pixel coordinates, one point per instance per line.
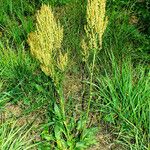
(85, 51)
(62, 61)
(48, 28)
(96, 21)
(96, 24)
(45, 42)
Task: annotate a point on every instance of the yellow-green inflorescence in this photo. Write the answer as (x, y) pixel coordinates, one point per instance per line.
(96, 25)
(45, 44)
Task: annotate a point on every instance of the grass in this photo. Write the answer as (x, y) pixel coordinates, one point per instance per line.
(22, 78)
(15, 138)
(124, 102)
(120, 84)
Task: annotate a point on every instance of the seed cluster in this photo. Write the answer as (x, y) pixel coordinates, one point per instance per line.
(45, 43)
(96, 25)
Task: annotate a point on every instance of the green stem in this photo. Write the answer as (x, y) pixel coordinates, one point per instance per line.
(62, 107)
(62, 102)
(91, 81)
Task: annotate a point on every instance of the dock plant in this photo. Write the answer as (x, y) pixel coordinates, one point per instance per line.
(92, 44)
(45, 45)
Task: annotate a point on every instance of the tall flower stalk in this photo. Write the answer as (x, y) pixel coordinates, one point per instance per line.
(45, 46)
(94, 29)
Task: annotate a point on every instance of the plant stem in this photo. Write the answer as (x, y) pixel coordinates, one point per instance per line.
(83, 85)
(61, 96)
(62, 107)
(91, 81)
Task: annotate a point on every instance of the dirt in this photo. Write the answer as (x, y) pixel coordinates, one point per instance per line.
(102, 144)
(14, 113)
(133, 20)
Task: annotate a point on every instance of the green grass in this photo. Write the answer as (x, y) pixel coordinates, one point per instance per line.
(23, 80)
(124, 102)
(124, 38)
(15, 138)
(120, 84)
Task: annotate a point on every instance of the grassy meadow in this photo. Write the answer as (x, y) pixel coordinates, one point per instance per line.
(74, 75)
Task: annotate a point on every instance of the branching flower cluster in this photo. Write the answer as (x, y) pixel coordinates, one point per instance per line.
(45, 44)
(95, 28)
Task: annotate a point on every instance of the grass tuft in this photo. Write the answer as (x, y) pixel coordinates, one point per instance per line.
(124, 102)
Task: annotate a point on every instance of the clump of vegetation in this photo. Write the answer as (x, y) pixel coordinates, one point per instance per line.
(123, 101)
(106, 59)
(13, 137)
(45, 45)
